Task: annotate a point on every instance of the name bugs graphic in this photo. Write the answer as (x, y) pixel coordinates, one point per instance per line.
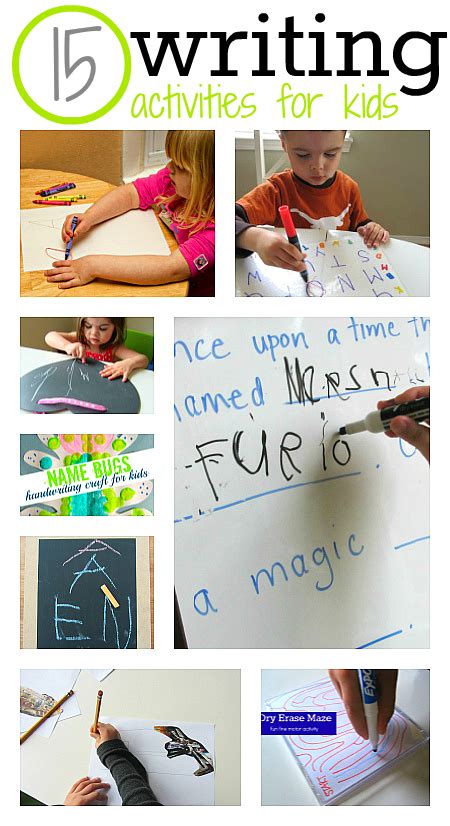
(84, 64)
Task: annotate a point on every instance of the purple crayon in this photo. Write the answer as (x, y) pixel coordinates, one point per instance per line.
(55, 189)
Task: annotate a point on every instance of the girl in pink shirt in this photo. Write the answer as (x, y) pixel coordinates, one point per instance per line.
(183, 195)
(101, 339)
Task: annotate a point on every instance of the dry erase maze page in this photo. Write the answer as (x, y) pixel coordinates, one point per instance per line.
(287, 534)
(172, 780)
(339, 265)
(336, 764)
(134, 233)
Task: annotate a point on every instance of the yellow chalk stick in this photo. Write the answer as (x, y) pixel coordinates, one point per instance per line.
(108, 594)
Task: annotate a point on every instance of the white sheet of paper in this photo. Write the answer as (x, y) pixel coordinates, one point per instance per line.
(339, 265)
(334, 765)
(172, 780)
(323, 543)
(134, 233)
(55, 683)
(100, 673)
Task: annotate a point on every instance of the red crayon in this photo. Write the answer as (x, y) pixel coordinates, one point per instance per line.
(286, 217)
(54, 203)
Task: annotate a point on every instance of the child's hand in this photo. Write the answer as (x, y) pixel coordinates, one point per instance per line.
(122, 368)
(105, 731)
(87, 792)
(373, 234)
(346, 683)
(83, 226)
(76, 350)
(402, 427)
(276, 251)
(71, 273)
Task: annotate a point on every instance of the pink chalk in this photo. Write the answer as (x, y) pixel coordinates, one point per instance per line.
(76, 402)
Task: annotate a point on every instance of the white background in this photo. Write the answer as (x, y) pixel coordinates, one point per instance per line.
(390, 20)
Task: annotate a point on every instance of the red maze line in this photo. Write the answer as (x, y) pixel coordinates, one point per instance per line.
(391, 745)
(396, 725)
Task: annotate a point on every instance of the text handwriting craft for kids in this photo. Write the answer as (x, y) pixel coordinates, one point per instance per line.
(86, 474)
(178, 758)
(338, 264)
(303, 526)
(336, 766)
(134, 233)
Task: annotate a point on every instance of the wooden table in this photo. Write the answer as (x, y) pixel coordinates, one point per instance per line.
(34, 284)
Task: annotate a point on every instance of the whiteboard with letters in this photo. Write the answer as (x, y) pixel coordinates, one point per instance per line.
(287, 534)
(338, 265)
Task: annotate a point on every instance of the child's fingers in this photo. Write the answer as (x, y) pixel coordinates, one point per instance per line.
(57, 266)
(289, 259)
(66, 285)
(417, 435)
(409, 395)
(371, 235)
(78, 783)
(59, 275)
(89, 783)
(347, 685)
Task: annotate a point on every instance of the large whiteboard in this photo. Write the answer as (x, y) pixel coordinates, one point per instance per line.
(314, 540)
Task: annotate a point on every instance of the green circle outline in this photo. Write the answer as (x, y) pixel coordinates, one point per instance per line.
(60, 118)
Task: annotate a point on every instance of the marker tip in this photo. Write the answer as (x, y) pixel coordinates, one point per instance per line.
(342, 431)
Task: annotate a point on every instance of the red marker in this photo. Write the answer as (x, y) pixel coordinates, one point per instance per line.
(286, 217)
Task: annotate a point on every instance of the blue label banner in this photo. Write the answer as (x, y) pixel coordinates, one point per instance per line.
(305, 722)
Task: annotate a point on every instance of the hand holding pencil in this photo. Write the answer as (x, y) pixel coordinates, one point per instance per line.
(104, 732)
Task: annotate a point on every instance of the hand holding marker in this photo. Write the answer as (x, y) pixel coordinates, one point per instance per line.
(400, 418)
(347, 684)
(380, 420)
(286, 217)
(369, 693)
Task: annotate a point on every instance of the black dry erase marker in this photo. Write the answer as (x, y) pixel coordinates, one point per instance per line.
(380, 420)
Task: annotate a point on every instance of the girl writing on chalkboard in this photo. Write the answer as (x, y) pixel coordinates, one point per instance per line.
(183, 195)
(101, 339)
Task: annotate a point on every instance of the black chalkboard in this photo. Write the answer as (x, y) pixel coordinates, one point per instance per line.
(74, 380)
(72, 610)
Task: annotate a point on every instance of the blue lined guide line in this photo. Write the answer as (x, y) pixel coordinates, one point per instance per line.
(380, 639)
(344, 393)
(411, 542)
(271, 492)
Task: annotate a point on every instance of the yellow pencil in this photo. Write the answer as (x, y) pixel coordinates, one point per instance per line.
(97, 710)
(49, 713)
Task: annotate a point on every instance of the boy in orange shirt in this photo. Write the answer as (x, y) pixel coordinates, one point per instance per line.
(318, 194)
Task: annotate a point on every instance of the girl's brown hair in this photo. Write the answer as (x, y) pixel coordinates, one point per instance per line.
(117, 338)
(193, 150)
